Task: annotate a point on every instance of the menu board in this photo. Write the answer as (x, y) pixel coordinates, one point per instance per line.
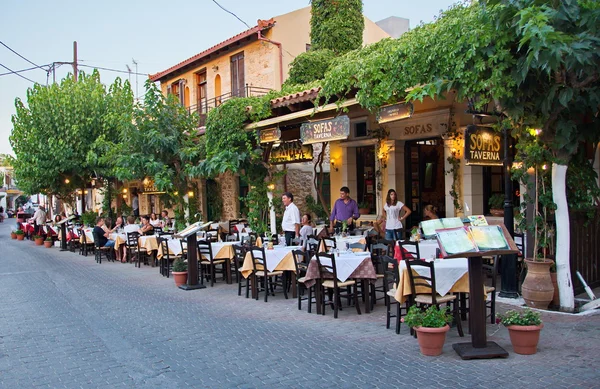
(429, 227)
(472, 239)
(478, 220)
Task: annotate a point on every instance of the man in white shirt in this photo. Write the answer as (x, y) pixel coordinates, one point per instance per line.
(39, 220)
(291, 218)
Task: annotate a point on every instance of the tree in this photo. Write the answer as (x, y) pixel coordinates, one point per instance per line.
(336, 25)
(54, 133)
(161, 143)
(310, 66)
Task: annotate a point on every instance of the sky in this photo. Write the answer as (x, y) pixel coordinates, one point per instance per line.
(156, 34)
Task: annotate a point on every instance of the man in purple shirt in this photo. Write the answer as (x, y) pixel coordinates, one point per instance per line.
(344, 209)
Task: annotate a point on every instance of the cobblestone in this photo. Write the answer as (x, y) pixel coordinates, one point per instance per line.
(66, 321)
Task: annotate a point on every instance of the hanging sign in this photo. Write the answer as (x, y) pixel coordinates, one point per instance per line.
(483, 146)
(270, 135)
(290, 152)
(389, 113)
(325, 130)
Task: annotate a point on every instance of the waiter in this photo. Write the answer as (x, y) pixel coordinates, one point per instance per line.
(345, 209)
(291, 218)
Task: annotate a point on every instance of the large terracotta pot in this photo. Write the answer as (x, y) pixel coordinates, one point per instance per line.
(555, 296)
(13, 235)
(20, 236)
(180, 277)
(363, 211)
(48, 244)
(497, 212)
(537, 288)
(39, 241)
(431, 340)
(525, 339)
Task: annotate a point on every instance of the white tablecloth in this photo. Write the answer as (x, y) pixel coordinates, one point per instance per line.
(346, 263)
(447, 272)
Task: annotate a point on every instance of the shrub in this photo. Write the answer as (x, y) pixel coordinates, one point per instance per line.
(179, 265)
(526, 317)
(433, 317)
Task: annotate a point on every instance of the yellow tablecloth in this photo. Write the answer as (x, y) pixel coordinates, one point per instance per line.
(403, 290)
(286, 263)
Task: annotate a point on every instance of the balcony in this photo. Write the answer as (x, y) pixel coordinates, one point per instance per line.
(205, 105)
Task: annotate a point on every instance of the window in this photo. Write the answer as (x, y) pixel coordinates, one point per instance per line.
(238, 82)
(360, 129)
(178, 89)
(365, 177)
(201, 92)
(308, 46)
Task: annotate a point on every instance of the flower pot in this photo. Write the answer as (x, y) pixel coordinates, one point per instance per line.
(363, 211)
(20, 236)
(537, 288)
(524, 339)
(39, 241)
(48, 244)
(555, 296)
(180, 277)
(13, 235)
(431, 340)
(497, 212)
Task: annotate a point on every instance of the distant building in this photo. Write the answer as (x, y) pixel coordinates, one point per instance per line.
(394, 26)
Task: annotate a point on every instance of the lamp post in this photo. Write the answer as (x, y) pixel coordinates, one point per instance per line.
(508, 279)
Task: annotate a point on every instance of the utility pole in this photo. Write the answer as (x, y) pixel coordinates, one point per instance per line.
(129, 71)
(75, 59)
(136, 77)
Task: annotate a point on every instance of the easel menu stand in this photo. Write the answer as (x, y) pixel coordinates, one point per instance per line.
(479, 347)
(63, 232)
(190, 235)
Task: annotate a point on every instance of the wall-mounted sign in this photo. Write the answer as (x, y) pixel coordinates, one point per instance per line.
(270, 135)
(389, 113)
(483, 146)
(325, 130)
(421, 125)
(290, 152)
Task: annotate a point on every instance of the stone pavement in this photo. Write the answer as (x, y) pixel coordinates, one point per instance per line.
(67, 322)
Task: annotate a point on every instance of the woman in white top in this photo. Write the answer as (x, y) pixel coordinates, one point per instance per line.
(393, 220)
(306, 229)
(155, 221)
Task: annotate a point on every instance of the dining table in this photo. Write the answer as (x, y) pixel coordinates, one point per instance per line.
(341, 241)
(349, 265)
(279, 258)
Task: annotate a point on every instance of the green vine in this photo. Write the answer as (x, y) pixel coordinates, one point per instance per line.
(336, 25)
(381, 153)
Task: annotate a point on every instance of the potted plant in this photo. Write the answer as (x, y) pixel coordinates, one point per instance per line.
(431, 327)
(13, 235)
(48, 242)
(364, 207)
(38, 239)
(179, 272)
(20, 234)
(496, 203)
(524, 329)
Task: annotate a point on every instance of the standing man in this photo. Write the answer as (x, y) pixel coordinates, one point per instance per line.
(39, 220)
(345, 209)
(135, 204)
(291, 218)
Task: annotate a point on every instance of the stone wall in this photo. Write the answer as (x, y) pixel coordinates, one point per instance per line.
(300, 184)
(230, 192)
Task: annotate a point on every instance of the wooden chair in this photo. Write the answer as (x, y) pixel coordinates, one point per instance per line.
(297, 242)
(492, 270)
(333, 284)
(206, 259)
(134, 250)
(166, 262)
(184, 248)
(301, 261)
(85, 244)
(74, 243)
(521, 269)
(232, 237)
(431, 297)
(238, 259)
(261, 273)
(312, 246)
(100, 250)
(328, 243)
(158, 230)
(390, 281)
(379, 249)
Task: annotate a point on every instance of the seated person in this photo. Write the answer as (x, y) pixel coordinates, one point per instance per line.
(430, 212)
(306, 229)
(118, 224)
(131, 226)
(166, 221)
(147, 228)
(101, 233)
(154, 220)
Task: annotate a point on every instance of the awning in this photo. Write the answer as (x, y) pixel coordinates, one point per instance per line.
(299, 114)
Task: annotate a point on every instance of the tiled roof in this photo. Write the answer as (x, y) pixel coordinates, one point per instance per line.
(262, 25)
(298, 97)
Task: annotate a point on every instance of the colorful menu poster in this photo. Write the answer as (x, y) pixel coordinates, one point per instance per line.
(429, 227)
(478, 220)
(456, 240)
(489, 238)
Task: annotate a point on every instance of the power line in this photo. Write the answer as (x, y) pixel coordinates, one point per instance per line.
(229, 12)
(34, 64)
(24, 70)
(13, 72)
(113, 70)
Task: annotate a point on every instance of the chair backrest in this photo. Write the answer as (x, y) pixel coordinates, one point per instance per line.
(82, 235)
(382, 248)
(158, 230)
(96, 239)
(233, 223)
(358, 245)
(422, 281)
(133, 239)
(239, 253)
(329, 243)
(204, 250)
(409, 250)
(492, 269)
(165, 234)
(258, 258)
(390, 272)
(162, 243)
(520, 243)
(232, 237)
(325, 269)
(212, 234)
(300, 261)
(183, 243)
(312, 246)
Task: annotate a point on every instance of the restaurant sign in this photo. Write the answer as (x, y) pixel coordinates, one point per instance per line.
(290, 152)
(270, 135)
(393, 112)
(483, 146)
(325, 130)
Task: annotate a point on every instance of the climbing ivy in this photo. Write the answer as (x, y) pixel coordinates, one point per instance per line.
(336, 25)
(310, 66)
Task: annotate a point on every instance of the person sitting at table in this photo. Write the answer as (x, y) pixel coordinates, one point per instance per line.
(392, 211)
(102, 233)
(131, 226)
(146, 228)
(154, 220)
(430, 212)
(345, 209)
(306, 229)
(166, 221)
(118, 224)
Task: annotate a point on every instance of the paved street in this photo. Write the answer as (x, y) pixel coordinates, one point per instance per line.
(66, 321)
